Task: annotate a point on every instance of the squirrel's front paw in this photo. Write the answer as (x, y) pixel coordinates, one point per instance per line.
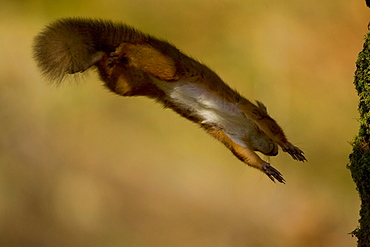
(272, 173)
(295, 152)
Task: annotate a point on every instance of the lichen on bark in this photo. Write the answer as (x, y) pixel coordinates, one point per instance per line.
(360, 156)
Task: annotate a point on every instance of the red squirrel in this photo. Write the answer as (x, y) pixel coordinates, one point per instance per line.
(132, 63)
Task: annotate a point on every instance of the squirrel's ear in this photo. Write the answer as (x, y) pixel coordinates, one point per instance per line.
(261, 106)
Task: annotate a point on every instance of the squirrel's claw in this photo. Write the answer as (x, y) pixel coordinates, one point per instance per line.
(272, 173)
(295, 152)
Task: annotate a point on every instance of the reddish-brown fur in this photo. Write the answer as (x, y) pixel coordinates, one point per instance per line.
(132, 64)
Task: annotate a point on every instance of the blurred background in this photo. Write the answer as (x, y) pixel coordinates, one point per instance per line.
(80, 166)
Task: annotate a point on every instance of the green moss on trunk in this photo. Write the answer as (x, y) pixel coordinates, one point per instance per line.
(360, 157)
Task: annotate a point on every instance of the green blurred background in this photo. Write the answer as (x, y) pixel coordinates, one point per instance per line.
(80, 166)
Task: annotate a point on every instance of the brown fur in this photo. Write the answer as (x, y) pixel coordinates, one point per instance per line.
(132, 63)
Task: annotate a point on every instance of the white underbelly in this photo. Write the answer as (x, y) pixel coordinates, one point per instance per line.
(211, 109)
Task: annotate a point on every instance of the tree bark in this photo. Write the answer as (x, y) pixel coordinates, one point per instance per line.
(360, 157)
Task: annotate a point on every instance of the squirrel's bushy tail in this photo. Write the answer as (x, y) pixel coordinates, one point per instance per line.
(64, 47)
(72, 45)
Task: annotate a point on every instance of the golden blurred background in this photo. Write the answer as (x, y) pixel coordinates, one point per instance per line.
(80, 166)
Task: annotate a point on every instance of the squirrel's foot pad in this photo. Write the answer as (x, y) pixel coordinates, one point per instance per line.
(116, 57)
(272, 173)
(113, 59)
(295, 152)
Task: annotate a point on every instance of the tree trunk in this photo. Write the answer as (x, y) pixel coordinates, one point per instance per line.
(360, 157)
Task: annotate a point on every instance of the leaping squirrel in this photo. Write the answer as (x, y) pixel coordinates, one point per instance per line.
(132, 63)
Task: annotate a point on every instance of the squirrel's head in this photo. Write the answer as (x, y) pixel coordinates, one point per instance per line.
(259, 141)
